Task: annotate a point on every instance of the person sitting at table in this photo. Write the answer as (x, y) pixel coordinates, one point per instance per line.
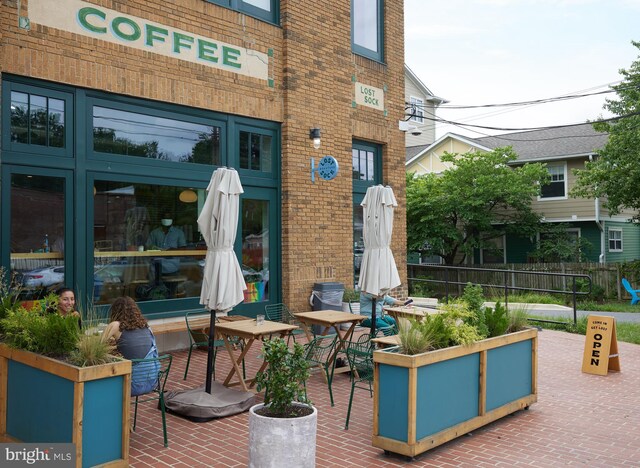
(166, 237)
(134, 340)
(366, 307)
(66, 304)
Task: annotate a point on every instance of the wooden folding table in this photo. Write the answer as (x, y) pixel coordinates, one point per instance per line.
(249, 331)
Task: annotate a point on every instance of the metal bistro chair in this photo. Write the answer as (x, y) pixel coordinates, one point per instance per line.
(150, 373)
(319, 354)
(360, 357)
(281, 313)
(199, 338)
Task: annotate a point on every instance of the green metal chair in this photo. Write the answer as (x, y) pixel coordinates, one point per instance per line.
(199, 338)
(281, 313)
(152, 372)
(360, 357)
(318, 355)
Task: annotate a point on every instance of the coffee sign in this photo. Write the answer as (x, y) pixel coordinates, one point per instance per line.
(369, 96)
(109, 25)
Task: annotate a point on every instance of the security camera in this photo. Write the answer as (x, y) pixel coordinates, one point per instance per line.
(415, 131)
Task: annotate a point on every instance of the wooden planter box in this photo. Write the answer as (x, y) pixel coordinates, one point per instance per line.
(423, 401)
(50, 401)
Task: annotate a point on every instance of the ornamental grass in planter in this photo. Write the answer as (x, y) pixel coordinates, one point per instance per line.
(56, 381)
(282, 431)
(453, 372)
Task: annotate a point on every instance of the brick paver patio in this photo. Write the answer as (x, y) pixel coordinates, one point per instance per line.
(580, 420)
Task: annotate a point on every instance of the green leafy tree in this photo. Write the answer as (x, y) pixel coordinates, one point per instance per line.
(481, 198)
(615, 173)
(557, 244)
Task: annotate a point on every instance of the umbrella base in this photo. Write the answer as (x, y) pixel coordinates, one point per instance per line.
(198, 406)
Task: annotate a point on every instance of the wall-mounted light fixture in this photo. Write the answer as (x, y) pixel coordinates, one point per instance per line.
(314, 134)
(188, 196)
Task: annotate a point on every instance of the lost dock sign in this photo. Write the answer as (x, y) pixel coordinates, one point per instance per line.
(601, 346)
(369, 96)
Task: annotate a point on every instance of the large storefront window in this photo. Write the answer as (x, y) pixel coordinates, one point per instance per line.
(101, 193)
(37, 233)
(147, 136)
(146, 241)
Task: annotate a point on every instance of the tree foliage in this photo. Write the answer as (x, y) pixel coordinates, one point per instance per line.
(481, 198)
(615, 174)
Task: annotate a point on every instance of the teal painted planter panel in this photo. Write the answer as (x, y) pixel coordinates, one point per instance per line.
(508, 374)
(453, 400)
(31, 416)
(393, 410)
(102, 421)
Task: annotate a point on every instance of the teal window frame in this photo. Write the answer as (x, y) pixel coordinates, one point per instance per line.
(242, 125)
(67, 98)
(84, 166)
(7, 170)
(358, 49)
(272, 16)
(359, 188)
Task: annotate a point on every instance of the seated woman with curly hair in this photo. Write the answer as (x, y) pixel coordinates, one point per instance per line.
(134, 340)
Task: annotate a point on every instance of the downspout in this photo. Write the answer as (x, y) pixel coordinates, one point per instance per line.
(602, 257)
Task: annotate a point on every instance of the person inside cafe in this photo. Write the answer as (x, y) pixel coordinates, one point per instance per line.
(130, 332)
(382, 320)
(166, 237)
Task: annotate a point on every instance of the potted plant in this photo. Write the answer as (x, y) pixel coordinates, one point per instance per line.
(351, 300)
(282, 430)
(55, 383)
(446, 378)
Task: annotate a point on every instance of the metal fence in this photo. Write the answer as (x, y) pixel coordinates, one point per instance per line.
(450, 281)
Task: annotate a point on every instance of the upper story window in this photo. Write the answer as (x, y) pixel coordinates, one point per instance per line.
(148, 136)
(367, 19)
(615, 240)
(416, 109)
(267, 10)
(557, 187)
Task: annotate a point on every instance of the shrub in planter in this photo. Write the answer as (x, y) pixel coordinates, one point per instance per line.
(45, 396)
(282, 431)
(445, 379)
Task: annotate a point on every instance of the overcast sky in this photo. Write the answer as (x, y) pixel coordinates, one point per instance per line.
(476, 52)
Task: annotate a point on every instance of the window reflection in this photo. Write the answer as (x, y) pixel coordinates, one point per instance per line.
(37, 248)
(255, 151)
(358, 240)
(37, 120)
(146, 136)
(255, 249)
(146, 242)
(362, 164)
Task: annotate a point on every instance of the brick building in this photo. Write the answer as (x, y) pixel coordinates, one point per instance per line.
(114, 114)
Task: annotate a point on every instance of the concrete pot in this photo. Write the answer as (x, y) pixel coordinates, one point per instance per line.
(280, 442)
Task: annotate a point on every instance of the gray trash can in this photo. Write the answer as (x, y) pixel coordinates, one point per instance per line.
(326, 296)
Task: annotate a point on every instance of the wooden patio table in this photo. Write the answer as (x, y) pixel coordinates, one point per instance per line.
(330, 319)
(249, 331)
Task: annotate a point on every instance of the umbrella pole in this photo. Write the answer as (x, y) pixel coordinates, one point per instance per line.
(373, 316)
(212, 334)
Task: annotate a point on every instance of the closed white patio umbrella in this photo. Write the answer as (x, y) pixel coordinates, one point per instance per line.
(222, 283)
(378, 272)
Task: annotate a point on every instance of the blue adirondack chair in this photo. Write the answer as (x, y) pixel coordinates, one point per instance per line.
(630, 290)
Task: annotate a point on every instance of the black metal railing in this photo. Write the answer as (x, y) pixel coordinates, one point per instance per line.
(506, 280)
